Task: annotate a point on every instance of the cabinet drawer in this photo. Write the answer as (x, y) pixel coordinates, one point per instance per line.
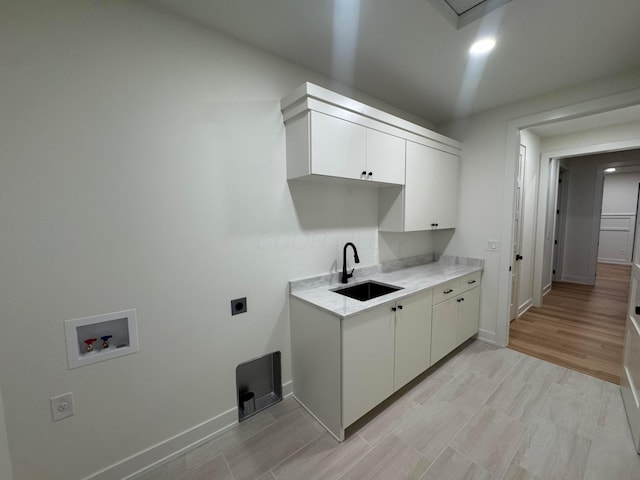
(445, 291)
(469, 281)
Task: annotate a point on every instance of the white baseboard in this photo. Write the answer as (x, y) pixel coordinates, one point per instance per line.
(524, 307)
(546, 290)
(615, 261)
(143, 462)
(487, 336)
(577, 279)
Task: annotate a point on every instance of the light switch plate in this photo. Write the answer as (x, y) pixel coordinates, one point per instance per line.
(492, 245)
(62, 406)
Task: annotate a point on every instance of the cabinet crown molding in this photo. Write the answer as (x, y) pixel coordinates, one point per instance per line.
(309, 96)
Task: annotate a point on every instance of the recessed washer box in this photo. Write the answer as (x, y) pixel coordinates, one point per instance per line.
(122, 327)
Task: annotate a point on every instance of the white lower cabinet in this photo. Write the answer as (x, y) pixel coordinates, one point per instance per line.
(383, 350)
(367, 362)
(469, 315)
(455, 318)
(444, 330)
(413, 338)
(344, 367)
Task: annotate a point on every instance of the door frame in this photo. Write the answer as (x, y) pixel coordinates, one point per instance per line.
(557, 235)
(518, 215)
(609, 103)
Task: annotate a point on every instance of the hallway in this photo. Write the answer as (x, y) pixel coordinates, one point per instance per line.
(580, 327)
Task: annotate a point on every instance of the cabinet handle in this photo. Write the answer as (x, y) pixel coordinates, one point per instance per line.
(370, 174)
(364, 172)
(447, 291)
(393, 309)
(470, 282)
(399, 307)
(461, 299)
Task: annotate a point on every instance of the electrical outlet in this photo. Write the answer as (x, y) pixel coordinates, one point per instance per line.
(239, 305)
(62, 406)
(492, 245)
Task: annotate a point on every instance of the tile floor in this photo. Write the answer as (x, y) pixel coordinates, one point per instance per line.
(485, 413)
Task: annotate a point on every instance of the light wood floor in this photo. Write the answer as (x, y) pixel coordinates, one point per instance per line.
(483, 413)
(580, 327)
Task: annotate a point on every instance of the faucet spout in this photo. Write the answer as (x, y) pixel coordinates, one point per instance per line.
(345, 275)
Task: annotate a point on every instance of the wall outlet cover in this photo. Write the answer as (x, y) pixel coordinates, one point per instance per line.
(239, 305)
(62, 406)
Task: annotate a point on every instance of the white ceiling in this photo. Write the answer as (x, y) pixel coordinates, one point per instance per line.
(406, 53)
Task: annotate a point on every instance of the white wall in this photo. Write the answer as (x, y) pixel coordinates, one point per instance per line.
(583, 204)
(5, 459)
(578, 266)
(143, 166)
(618, 218)
(620, 191)
(529, 218)
(484, 164)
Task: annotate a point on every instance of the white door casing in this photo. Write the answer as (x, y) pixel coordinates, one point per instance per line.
(630, 379)
(517, 232)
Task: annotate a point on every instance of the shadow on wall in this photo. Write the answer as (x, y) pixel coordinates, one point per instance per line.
(322, 204)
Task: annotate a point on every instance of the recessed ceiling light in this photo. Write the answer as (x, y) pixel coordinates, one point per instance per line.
(609, 170)
(483, 45)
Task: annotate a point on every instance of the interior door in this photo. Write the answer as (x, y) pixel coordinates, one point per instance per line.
(517, 233)
(630, 380)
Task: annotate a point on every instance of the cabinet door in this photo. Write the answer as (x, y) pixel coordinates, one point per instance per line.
(469, 314)
(338, 147)
(385, 157)
(413, 338)
(444, 329)
(367, 362)
(431, 190)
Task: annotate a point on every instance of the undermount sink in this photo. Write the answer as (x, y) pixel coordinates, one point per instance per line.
(366, 290)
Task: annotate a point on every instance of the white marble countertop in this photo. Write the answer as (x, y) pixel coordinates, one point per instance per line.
(317, 291)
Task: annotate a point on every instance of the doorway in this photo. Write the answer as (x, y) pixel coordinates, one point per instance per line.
(577, 112)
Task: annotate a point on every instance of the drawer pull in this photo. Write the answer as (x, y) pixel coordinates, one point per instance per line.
(471, 282)
(447, 291)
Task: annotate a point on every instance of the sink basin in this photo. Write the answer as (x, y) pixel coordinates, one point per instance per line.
(366, 290)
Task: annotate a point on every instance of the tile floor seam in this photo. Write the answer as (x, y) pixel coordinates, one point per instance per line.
(226, 462)
(515, 452)
(296, 451)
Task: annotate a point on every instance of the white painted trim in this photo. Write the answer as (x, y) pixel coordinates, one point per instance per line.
(598, 105)
(546, 289)
(578, 279)
(486, 336)
(309, 96)
(614, 261)
(525, 306)
(143, 462)
(287, 389)
(165, 451)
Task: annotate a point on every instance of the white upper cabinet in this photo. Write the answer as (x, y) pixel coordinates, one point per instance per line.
(338, 147)
(319, 144)
(429, 200)
(333, 136)
(385, 157)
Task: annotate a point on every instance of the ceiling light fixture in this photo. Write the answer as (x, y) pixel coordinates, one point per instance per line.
(483, 45)
(609, 170)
